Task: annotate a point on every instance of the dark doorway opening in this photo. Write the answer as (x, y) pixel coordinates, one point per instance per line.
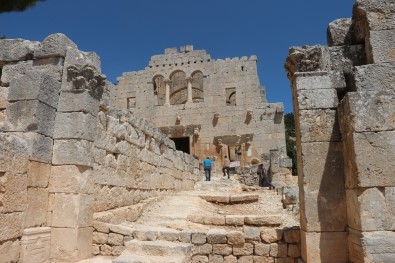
(182, 144)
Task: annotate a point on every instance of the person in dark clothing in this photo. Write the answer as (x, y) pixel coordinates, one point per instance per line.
(264, 177)
(226, 166)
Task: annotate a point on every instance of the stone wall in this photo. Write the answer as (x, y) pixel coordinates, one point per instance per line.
(63, 157)
(343, 103)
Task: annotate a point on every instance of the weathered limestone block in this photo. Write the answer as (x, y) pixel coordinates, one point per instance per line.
(236, 238)
(13, 192)
(12, 71)
(202, 249)
(75, 125)
(78, 152)
(271, 235)
(222, 249)
(40, 146)
(35, 245)
(261, 249)
(317, 99)
(36, 213)
(73, 210)
(30, 115)
(324, 247)
(230, 259)
(252, 233)
(278, 250)
(17, 49)
(199, 259)
(371, 209)
(338, 32)
(268, 220)
(344, 58)
(71, 179)
(115, 239)
(101, 226)
(215, 259)
(290, 194)
(3, 97)
(381, 77)
(78, 101)
(318, 125)
(376, 246)
(199, 238)
(14, 154)
(244, 198)
(9, 251)
(11, 226)
(40, 82)
(185, 236)
(218, 220)
(381, 46)
(71, 244)
(123, 230)
(323, 201)
(367, 111)
(370, 159)
(216, 198)
(246, 259)
(312, 80)
(38, 174)
(217, 236)
(307, 59)
(55, 45)
(294, 250)
(243, 250)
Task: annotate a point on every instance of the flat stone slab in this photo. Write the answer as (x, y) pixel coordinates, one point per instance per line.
(244, 198)
(128, 257)
(267, 220)
(158, 248)
(216, 198)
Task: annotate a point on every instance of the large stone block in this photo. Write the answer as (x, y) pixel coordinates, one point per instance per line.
(71, 245)
(318, 126)
(9, 251)
(369, 160)
(78, 100)
(312, 81)
(55, 45)
(328, 247)
(317, 99)
(30, 115)
(3, 97)
(369, 111)
(375, 77)
(14, 154)
(371, 209)
(17, 49)
(38, 174)
(381, 47)
(77, 152)
(376, 246)
(40, 146)
(322, 192)
(11, 226)
(12, 71)
(75, 125)
(72, 210)
(13, 192)
(36, 213)
(343, 59)
(71, 179)
(35, 245)
(338, 32)
(40, 82)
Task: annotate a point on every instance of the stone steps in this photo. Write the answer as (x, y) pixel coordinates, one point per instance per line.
(155, 251)
(237, 220)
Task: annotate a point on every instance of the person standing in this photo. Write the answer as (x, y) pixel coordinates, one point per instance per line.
(226, 166)
(207, 168)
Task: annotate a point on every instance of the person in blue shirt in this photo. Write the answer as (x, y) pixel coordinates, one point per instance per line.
(207, 168)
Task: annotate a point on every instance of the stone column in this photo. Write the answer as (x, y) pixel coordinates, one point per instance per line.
(167, 95)
(189, 81)
(71, 182)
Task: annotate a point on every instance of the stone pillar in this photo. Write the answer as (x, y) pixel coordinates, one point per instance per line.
(71, 182)
(323, 214)
(189, 81)
(167, 95)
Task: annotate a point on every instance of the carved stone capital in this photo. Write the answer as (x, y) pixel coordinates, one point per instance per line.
(88, 78)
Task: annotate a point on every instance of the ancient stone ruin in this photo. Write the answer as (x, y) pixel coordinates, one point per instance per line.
(209, 107)
(89, 174)
(345, 117)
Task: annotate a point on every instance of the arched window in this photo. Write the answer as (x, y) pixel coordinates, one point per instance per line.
(178, 88)
(197, 86)
(159, 89)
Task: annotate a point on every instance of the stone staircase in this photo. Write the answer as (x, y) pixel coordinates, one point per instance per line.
(217, 222)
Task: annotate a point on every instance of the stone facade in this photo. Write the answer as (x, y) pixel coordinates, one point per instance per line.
(64, 158)
(344, 108)
(209, 107)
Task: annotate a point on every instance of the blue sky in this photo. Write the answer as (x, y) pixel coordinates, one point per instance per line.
(126, 33)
